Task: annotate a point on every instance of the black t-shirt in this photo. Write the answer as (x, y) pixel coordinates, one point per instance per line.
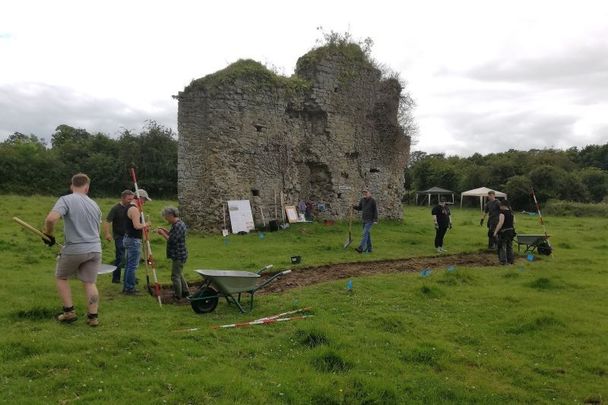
(508, 222)
(443, 215)
(493, 209)
(129, 228)
(118, 216)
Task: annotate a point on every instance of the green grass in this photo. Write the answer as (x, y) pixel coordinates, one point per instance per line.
(532, 332)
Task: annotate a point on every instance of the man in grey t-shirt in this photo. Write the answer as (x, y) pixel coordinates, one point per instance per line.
(81, 255)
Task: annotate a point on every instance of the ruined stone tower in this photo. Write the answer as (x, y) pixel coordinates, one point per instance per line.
(323, 134)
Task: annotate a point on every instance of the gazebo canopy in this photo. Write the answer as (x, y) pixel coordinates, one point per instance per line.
(482, 193)
(435, 190)
(438, 191)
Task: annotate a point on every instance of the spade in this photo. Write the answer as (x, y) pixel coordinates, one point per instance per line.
(350, 228)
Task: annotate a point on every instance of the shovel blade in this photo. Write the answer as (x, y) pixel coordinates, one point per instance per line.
(106, 268)
(348, 241)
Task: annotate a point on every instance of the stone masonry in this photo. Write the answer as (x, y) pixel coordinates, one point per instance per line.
(324, 134)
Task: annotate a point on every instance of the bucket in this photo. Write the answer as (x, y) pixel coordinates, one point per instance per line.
(296, 259)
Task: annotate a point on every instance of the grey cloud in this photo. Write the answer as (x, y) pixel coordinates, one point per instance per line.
(583, 72)
(486, 133)
(34, 108)
(524, 102)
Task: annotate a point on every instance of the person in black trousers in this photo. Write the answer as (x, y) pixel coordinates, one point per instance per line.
(504, 233)
(369, 215)
(492, 210)
(443, 222)
(117, 218)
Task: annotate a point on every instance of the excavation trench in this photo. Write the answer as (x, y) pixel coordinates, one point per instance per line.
(305, 276)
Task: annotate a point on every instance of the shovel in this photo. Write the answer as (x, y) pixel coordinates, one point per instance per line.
(350, 228)
(103, 268)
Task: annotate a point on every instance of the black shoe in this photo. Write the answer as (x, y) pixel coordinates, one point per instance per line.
(132, 291)
(358, 250)
(115, 281)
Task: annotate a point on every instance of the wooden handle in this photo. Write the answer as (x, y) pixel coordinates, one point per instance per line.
(31, 228)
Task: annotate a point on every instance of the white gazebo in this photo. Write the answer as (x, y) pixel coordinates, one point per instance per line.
(482, 193)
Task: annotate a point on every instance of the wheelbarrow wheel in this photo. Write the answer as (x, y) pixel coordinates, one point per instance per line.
(204, 300)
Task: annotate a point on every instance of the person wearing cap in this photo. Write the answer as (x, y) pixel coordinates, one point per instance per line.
(443, 221)
(492, 209)
(117, 218)
(369, 215)
(133, 239)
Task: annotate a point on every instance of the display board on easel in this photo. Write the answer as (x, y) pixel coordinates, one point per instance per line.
(241, 218)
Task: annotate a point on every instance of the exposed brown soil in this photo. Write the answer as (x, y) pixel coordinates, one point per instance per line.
(301, 277)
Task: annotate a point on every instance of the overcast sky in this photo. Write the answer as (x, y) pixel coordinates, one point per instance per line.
(487, 76)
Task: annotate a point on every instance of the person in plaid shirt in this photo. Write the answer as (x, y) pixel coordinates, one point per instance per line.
(176, 250)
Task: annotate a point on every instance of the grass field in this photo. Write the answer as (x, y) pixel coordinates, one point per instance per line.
(533, 332)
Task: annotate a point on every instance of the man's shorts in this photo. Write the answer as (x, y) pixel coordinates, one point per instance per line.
(85, 266)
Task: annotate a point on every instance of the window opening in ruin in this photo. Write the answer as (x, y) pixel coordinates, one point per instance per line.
(255, 193)
(374, 170)
(344, 174)
(339, 195)
(258, 127)
(335, 89)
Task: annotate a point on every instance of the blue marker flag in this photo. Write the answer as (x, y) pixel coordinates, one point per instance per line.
(530, 257)
(261, 235)
(349, 285)
(426, 272)
(451, 268)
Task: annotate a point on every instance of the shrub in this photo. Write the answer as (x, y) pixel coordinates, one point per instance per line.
(570, 208)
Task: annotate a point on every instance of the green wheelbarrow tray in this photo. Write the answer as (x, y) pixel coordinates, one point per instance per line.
(534, 242)
(227, 283)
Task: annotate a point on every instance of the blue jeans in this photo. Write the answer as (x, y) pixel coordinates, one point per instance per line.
(119, 247)
(366, 240)
(133, 251)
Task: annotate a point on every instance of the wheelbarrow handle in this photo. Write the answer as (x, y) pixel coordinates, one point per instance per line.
(271, 279)
(263, 269)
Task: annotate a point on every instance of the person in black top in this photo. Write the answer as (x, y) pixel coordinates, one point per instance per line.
(492, 209)
(443, 222)
(133, 241)
(369, 214)
(504, 233)
(117, 218)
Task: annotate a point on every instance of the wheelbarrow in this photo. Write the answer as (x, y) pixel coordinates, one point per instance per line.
(532, 242)
(227, 283)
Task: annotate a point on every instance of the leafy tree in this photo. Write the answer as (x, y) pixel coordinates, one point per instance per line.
(27, 166)
(154, 155)
(518, 190)
(573, 189)
(596, 181)
(547, 181)
(594, 156)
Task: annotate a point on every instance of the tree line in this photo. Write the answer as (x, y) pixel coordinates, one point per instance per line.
(579, 175)
(29, 166)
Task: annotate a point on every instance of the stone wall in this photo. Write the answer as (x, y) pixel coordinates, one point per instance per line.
(323, 134)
